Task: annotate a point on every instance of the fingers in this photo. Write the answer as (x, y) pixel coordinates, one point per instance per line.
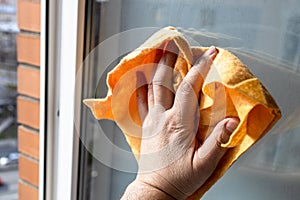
(188, 91)
(160, 90)
(150, 96)
(195, 77)
(163, 93)
(141, 95)
(211, 151)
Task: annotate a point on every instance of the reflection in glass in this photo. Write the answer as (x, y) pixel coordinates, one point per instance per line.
(263, 34)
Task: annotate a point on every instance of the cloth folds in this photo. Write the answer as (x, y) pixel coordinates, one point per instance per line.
(229, 90)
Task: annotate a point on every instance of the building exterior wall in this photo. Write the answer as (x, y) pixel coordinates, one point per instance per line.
(28, 56)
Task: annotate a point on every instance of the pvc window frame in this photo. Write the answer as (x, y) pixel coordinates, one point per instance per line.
(59, 60)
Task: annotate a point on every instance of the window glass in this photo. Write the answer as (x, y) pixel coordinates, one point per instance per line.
(265, 35)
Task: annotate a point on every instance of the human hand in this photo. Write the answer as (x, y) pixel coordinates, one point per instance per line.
(173, 162)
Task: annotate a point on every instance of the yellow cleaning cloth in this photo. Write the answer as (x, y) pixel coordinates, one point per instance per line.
(229, 90)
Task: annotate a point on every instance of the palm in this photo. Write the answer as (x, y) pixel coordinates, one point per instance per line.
(171, 157)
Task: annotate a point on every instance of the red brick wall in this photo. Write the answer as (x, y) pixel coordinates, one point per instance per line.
(28, 55)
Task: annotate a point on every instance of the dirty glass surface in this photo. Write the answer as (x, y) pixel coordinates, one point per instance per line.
(265, 35)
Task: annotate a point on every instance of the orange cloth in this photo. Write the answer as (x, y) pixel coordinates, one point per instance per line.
(229, 90)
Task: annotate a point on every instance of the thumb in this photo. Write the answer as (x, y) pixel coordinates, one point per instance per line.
(211, 150)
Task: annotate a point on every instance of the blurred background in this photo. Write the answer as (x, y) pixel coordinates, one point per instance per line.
(8, 94)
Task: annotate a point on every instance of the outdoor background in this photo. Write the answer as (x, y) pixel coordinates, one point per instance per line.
(8, 94)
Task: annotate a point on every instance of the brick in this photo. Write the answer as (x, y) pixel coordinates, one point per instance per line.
(28, 112)
(29, 170)
(27, 192)
(29, 15)
(28, 48)
(28, 142)
(29, 81)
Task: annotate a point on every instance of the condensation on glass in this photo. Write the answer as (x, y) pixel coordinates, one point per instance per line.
(265, 35)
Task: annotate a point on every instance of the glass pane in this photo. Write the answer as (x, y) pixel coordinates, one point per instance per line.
(8, 94)
(265, 35)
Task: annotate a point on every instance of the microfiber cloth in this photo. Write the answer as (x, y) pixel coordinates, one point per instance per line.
(229, 90)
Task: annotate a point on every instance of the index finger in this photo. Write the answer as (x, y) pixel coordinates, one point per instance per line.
(188, 91)
(163, 77)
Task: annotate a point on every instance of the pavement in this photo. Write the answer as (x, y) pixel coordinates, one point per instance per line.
(9, 191)
(8, 173)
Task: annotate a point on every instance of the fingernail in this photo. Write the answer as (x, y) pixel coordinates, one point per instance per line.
(140, 75)
(230, 126)
(171, 47)
(212, 50)
(211, 53)
(140, 79)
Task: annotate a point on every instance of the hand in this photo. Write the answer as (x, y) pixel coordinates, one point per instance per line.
(173, 162)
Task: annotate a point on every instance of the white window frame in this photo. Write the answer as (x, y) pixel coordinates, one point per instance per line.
(42, 99)
(59, 60)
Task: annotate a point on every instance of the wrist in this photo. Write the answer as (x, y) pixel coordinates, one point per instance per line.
(165, 185)
(142, 190)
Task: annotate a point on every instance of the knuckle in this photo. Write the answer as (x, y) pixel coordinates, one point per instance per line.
(150, 86)
(203, 62)
(186, 87)
(219, 140)
(219, 143)
(157, 82)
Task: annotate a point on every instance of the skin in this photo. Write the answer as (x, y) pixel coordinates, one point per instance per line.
(173, 162)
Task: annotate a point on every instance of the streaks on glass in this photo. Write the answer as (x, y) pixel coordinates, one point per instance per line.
(207, 38)
(292, 43)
